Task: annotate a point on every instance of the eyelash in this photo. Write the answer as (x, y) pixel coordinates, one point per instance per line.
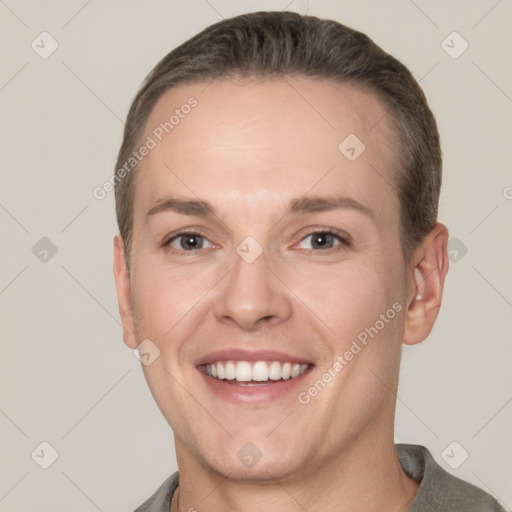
(344, 240)
(166, 243)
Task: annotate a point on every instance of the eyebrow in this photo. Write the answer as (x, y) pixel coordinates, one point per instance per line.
(301, 205)
(320, 204)
(183, 206)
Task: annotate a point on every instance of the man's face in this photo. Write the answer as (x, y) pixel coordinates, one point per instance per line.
(294, 265)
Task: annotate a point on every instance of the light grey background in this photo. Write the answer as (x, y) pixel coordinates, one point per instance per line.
(66, 376)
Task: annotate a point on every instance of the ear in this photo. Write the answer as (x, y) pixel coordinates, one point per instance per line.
(426, 283)
(122, 278)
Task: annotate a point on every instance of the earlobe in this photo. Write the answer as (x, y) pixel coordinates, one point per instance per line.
(122, 279)
(426, 285)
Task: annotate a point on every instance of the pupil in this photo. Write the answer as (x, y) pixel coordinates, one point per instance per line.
(322, 240)
(190, 242)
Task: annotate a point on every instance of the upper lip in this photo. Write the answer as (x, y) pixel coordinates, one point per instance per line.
(237, 354)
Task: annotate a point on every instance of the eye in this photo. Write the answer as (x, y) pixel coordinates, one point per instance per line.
(188, 242)
(322, 240)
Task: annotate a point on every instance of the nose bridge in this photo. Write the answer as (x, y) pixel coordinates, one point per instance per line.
(251, 292)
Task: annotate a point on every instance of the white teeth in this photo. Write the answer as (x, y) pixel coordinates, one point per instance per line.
(221, 374)
(295, 370)
(243, 371)
(274, 370)
(259, 371)
(286, 371)
(230, 370)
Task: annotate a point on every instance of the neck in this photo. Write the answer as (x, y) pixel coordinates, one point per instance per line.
(365, 476)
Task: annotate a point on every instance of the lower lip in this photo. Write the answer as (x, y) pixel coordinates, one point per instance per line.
(253, 394)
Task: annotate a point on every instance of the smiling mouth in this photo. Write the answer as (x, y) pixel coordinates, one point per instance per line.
(252, 373)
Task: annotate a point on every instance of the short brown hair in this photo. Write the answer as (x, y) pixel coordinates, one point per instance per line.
(264, 44)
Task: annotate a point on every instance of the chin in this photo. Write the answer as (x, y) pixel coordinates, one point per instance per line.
(268, 468)
(260, 460)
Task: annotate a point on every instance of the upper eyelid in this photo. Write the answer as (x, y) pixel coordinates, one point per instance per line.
(192, 232)
(338, 234)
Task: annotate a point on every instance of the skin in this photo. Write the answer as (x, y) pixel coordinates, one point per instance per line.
(249, 148)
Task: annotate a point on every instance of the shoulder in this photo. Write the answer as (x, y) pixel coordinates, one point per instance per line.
(439, 490)
(160, 501)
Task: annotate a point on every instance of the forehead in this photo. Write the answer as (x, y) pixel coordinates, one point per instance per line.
(259, 138)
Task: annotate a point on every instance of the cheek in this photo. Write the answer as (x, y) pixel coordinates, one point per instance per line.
(163, 296)
(350, 297)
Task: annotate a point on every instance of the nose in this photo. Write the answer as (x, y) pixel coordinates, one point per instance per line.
(252, 295)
